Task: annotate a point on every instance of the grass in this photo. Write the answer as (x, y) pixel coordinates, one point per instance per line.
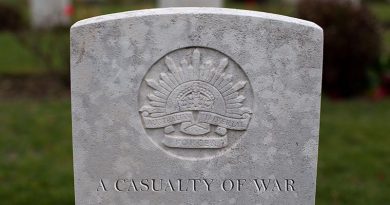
(354, 161)
(36, 152)
(15, 59)
(36, 55)
(36, 162)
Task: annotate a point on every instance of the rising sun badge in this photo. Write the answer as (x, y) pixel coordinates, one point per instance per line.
(196, 102)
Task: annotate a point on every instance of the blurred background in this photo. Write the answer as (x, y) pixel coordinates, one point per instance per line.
(35, 117)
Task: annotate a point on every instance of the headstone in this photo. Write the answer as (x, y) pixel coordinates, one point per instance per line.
(195, 106)
(49, 13)
(190, 3)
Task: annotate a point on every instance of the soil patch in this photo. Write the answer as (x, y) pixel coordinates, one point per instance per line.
(33, 86)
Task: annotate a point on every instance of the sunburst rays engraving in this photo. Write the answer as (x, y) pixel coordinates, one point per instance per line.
(196, 71)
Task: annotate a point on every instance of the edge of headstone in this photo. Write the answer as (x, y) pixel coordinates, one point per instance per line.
(193, 10)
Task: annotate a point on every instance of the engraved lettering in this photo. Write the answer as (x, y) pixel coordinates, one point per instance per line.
(276, 185)
(169, 185)
(101, 186)
(154, 185)
(180, 185)
(117, 185)
(240, 183)
(262, 184)
(208, 183)
(228, 185)
(289, 184)
(144, 185)
(194, 183)
(132, 185)
(197, 185)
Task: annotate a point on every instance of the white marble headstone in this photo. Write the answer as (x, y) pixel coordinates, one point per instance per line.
(195, 106)
(190, 3)
(49, 13)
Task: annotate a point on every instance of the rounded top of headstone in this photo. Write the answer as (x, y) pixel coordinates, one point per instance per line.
(194, 11)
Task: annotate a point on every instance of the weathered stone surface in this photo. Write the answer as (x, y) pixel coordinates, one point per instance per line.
(190, 3)
(195, 106)
(49, 13)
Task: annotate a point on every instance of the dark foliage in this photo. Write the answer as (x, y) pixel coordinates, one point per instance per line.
(376, 1)
(352, 44)
(10, 18)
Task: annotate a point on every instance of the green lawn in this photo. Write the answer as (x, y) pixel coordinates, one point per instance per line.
(36, 162)
(354, 162)
(16, 59)
(36, 152)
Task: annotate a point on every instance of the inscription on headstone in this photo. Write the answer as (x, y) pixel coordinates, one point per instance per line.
(195, 106)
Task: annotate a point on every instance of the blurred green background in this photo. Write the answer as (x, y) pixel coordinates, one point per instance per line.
(35, 117)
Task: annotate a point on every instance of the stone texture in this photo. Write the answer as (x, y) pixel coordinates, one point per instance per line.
(195, 106)
(49, 13)
(190, 3)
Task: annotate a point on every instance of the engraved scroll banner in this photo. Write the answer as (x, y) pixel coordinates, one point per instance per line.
(164, 121)
(223, 121)
(203, 117)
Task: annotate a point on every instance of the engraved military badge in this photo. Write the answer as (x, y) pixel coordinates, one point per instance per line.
(197, 96)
